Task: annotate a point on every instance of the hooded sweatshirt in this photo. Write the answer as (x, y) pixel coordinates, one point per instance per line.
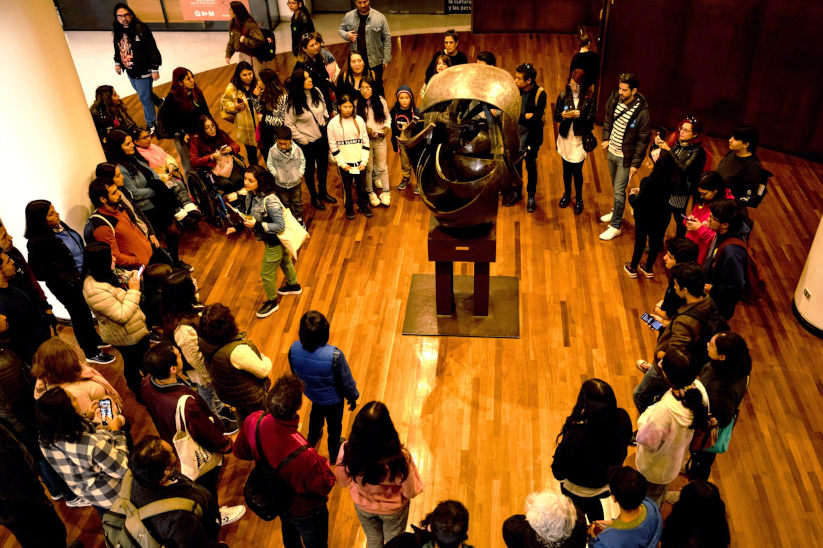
(400, 116)
(664, 436)
(349, 141)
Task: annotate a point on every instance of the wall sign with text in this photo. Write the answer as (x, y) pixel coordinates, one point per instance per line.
(207, 10)
(458, 6)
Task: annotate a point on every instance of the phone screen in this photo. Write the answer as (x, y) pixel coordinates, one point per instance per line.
(106, 412)
(140, 270)
(654, 324)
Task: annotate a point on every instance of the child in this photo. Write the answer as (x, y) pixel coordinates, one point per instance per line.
(287, 164)
(349, 145)
(402, 113)
(372, 107)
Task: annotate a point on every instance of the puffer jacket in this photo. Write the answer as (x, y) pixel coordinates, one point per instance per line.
(118, 313)
(245, 121)
(90, 387)
(235, 385)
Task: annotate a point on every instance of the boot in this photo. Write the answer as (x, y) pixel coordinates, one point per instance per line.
(516, 196)
(318, 205)
(324, 196)
(531, 205)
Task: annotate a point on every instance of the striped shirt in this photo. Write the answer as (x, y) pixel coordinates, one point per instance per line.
(621, 118)
(92, 467)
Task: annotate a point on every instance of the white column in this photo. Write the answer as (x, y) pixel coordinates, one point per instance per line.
(808, 296)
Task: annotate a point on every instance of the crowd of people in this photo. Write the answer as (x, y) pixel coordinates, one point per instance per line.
(200, 378)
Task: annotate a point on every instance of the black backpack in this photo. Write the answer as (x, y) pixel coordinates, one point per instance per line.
(267, 50)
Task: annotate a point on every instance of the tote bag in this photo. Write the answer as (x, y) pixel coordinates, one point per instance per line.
(194, 459)
(294, 234)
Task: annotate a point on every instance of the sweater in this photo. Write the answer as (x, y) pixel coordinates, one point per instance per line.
(306, 127)
(201, 149)
(118, 313)
(129, 245)
(349, 141)
(325, 383)
(387, 497)
(287, 167)
(643, 532)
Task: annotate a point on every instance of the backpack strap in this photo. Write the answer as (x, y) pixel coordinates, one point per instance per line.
(172, 504)
(259, 446)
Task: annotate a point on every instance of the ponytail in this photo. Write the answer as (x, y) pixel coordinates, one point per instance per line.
(692, 400)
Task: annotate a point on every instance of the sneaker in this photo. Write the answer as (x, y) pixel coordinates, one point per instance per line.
(373, 199)
(78, 502)
(643, 365)
(350, 215)
(268, 308)
(102, 358)
(290, 289)
(183, 264)
(531, 205)
(630, 272)
(378, 184)
(672, 496)
(647, 273)
(385, 199)
(607, 218)
(58, 496)
(402, 184)
(180, 215)
(611, 233)
(230, 514)
(229, 426)
(417, 189)
(365, 211)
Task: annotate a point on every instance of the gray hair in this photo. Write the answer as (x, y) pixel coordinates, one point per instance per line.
(552, 515)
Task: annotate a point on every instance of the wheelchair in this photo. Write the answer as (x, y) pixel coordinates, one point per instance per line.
(209, 190)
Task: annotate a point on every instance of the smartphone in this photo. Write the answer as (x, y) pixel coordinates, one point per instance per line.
(106, 412)
(682, 216)
(653, 324)
(140, 270)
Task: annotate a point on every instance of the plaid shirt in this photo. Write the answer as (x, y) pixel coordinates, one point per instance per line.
(92, 467)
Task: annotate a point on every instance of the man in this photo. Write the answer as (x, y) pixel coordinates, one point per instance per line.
(161, 389)
(369, 34)
(155, 476)
(450, 41)
(639, 522)
(530, 127)
(625, 136)
(678, 251)
(445, 527)
(689, 331)
(741, 169)
(726, 260)
(27, 325)
(136, 51)
(307, 517)
(130, 247)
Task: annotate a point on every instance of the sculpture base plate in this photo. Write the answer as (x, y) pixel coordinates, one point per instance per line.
(503, 320)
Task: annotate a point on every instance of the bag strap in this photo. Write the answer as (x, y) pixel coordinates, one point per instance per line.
(168, 505)
(259, 445)
(180, 415)
(105, 220)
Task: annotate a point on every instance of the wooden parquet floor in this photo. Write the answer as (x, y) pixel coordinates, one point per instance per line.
(480, 416)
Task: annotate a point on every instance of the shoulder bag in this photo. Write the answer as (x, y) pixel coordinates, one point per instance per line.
(293, 234)
(194, 459)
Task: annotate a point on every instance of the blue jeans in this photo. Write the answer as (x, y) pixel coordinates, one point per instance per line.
(143, 88)
(312, 528)
(650, 389)
(620, 178)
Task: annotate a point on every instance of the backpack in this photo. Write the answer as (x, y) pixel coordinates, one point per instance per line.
(160, 123)
(536, 97)
(755, 288)
(267, 50)
(123, 525)
(754, 194)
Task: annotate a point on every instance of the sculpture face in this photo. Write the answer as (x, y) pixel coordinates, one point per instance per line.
(466, 143)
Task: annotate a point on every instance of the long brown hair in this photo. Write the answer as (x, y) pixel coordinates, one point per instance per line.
(56, 361)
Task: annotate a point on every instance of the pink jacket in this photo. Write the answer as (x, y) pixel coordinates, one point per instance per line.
(703, 236)
(90, 387)
(386, 498)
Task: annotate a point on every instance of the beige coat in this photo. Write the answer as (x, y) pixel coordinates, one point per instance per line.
(118, 313)
(244, 122)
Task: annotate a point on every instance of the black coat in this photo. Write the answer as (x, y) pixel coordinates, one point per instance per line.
(50, 259)
(637, 134)
(301, 23)
(587, 107)
(145, 55)
(655, 190)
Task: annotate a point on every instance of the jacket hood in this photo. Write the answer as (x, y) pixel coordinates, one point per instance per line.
(283, 154)
(684, 417)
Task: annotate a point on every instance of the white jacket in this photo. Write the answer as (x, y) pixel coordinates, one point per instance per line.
(118, 313)
(349, 141)
(664, 436)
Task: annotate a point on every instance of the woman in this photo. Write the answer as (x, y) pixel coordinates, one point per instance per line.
(594, 437)
(380, 473)
(306, 117)
(726, 378)
(56, 363)
(146, 191)
(241, 103)
(182, 109)
(244, 35)
(710, 188)
(319, 64)
(301, 24)
(273, 100)
(348, 142)
(108, 112)
(374, 110)
(586, 60)
(91, 460)
(267, 221)
(551, 520)
(181, 321)
(56, 257)
(348, 81)
(665, 429)
(441, 63)
(240, 372)
(122, 323)
(697, 519)
(136, 51)
(574, 111)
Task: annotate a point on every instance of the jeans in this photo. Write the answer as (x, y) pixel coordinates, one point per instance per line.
(381, 528)
(312, 528)
(377, 168)
(164, 224)
(650, 389)
(572, 170)
(143, 88)
(358, 182)
(317, 159)
(274, 257)
(210, 397)
(332, 415)
(292, 198)
(71, 296)
(620, 178)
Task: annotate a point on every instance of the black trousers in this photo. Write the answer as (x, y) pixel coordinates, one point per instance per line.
(34, 524)
(591, 507)
(359, 183)
(317, 160)
(654, 231)
(531, 167)
(133, 363)
(164, 224)
(677, 214)
(332, 415)
(251, 153)
(71, 296)
(700, 465)
(572, 170)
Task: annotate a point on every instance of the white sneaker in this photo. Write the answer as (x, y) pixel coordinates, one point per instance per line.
(230, 514)
(385, 199)
(611, 233)
(190, 207)
(607, 218)
(378, 184)
(180, 215)
(78, 502)
(373, 199)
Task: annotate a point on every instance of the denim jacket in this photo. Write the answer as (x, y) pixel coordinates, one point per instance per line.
(378, 36)
(268, 215)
